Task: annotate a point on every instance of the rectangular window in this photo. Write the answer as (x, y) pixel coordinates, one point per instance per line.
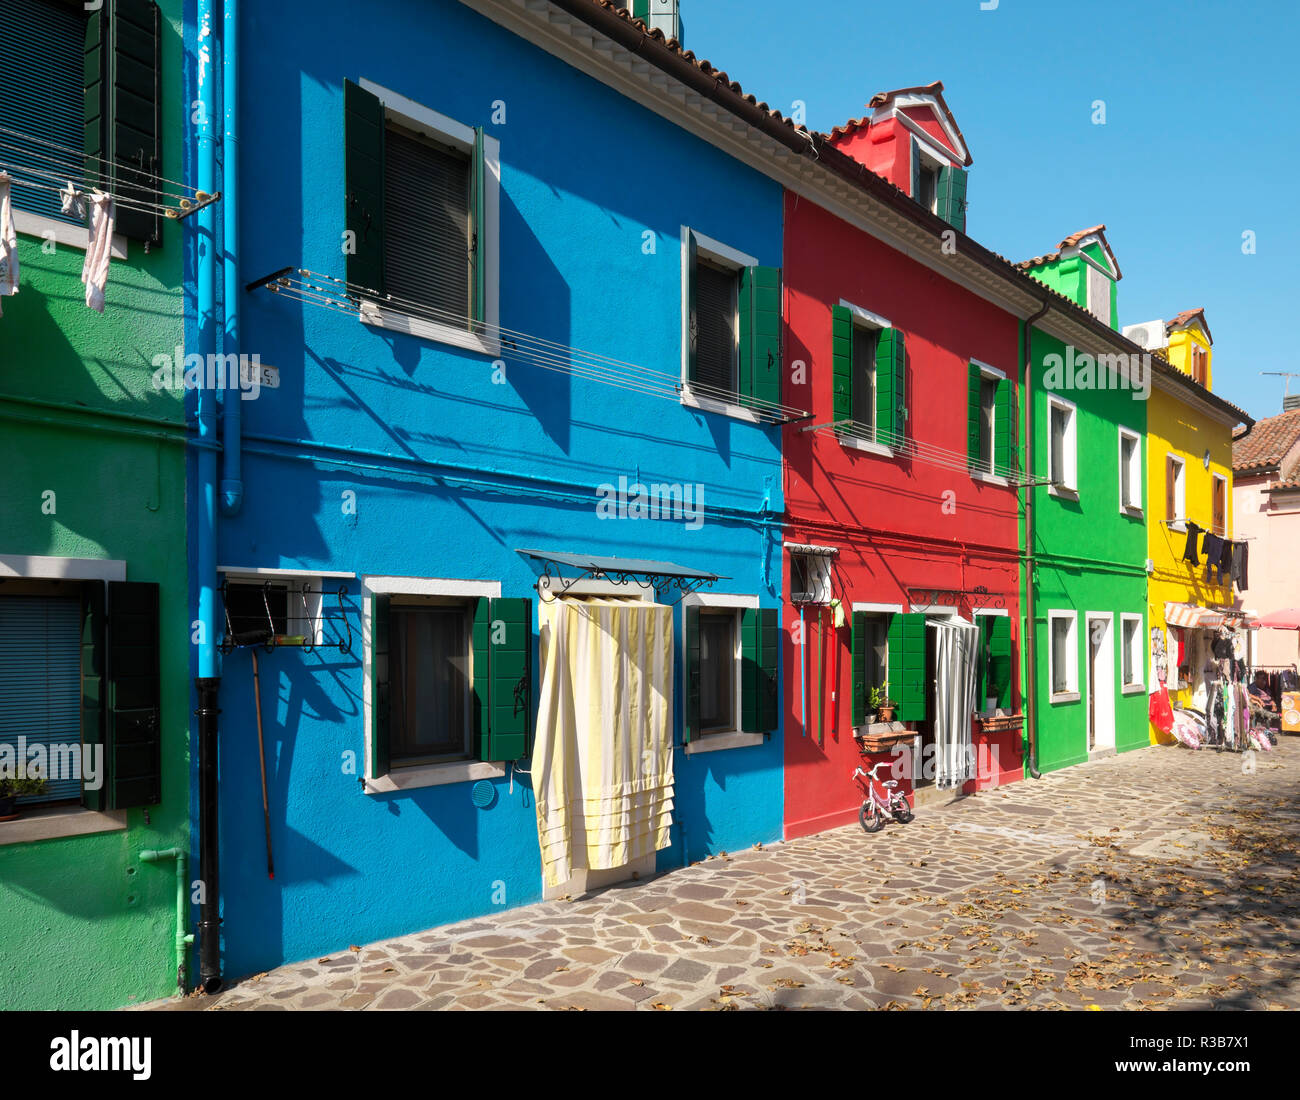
(988, 400)
(928, 187)
(1132, 649)
(1061, 442)
(717, 670)
(1174, 493)
(1200, 365)
(864, 377)
(1130, 471)
(716, 290)
(1219, 487)
(255, 610)
(429, 692)
(1063, 652)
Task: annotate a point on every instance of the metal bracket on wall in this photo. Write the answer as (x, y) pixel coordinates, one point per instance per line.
(258, 629)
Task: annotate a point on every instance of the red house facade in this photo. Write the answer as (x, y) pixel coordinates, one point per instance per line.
(901, 488)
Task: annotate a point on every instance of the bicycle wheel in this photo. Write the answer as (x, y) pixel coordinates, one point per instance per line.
(869, 817)
(902, 811)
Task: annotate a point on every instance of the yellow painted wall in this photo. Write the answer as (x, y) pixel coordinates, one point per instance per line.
(1174, 427)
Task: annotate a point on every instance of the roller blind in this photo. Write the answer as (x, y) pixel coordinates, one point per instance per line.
(715, 297)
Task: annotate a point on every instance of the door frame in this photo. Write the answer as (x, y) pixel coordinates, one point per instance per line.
(1101, 703)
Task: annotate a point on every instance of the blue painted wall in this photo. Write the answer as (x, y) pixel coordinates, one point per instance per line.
(585, 172)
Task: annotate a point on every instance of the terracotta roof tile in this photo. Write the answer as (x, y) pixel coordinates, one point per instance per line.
(1265, 447)
(882, 99)
(1186, 317)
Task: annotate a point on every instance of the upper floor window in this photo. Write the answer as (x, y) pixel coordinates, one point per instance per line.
(1061, 443)
(1130, 471)
(1175, 476)
(867, 376)
(989, 420)
(1219, 490)
(717, 341)
(1200, 365)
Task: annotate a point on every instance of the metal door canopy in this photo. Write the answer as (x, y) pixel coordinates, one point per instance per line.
(557, 568)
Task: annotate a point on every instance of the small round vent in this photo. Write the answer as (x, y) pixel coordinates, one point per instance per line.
(483, 794)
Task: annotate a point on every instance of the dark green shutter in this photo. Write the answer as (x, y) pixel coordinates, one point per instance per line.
(363, 139)
(758, 669)
(916, 170)
(999, 663)
(92, 678)
(983, 622)
(907, 666)
(691, 675)
(1004, 420)
(951, 206)
(891, 397)
(842, 363)
(641, 10)
(95, 77)
(133, 726)
(974, 382)
(510, 626)
(478, 244)
(860, 645)
(135, 113)
(692, 307)
(760, 335)
(380, 692)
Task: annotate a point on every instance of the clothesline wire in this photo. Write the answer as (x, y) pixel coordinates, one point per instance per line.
(124, 204)
(75, 174)
(81, 155)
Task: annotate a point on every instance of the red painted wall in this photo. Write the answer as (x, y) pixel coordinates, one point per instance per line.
(887, 516)
(886, 147)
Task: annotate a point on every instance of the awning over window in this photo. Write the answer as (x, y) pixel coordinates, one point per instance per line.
(563, 570)
(1189, 615)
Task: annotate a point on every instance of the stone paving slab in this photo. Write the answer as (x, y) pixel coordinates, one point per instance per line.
(1162, 878)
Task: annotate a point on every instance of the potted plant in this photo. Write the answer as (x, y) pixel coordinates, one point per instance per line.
(873, 706)
(887, 707)
(12, 789)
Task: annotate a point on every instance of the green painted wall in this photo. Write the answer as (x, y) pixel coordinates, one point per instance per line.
(85, 924)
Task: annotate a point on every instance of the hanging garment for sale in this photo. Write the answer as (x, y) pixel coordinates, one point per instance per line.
(99, 248)
(1193, 537)
(8, 241)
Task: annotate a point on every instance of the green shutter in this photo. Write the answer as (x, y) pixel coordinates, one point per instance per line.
(951, 206)
(983, 622)
(758, 671)
(907, 666)
(1004, 420)
(860, 645)
(92, 678)
(135, 112)
(841, 363)
(999, 663)
(133, 731)
(641, 10)
(974, 380)
(509, 693)
(478, 245)
(380, 694)
(891, 396)
(692, 308)
(95, 79)
(760, 335)
(916, 170)
(691, 675)
(363, 139)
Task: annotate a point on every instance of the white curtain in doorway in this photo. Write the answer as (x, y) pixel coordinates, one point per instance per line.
(603, 755)
(956, 653)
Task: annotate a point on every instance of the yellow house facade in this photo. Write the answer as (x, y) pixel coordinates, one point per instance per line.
(1189, 493)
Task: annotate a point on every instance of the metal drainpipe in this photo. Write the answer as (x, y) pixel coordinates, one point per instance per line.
(232, 484)
(1031, 708)
(207, 680)
(183, 938)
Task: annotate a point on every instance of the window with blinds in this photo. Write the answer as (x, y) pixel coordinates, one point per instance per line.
(40, 682)
(864, 376)
(715, 297)
(428, 236)
(41, 58)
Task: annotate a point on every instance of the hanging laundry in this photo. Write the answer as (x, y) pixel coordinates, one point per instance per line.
(99, 248)
(1239, 560)
(72, 202)
(1224, 563)
(1212, 547)
(1160, 711)
(1193, 536)
(8, 242)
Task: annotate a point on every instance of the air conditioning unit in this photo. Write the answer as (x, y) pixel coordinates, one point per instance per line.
(1149, 334)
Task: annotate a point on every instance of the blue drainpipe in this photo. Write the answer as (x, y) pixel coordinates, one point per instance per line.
(232, 485)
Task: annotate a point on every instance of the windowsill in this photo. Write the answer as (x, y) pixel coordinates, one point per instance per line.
(381, 317)
(1180, 527)
(65, 233)
(866, 445)
(990, 479)
(716, 742)
(433, 775)
(1063, 491)
(60, 821)
(1065, 697)
(1133, 689)
(718, 405)
(1130, 511)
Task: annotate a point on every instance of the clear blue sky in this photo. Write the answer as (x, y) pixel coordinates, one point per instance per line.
(1199, 143)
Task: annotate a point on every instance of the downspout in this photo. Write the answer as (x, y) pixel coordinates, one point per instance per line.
(183, 938)
(232, 484)
(1031, 708)
(207, 681)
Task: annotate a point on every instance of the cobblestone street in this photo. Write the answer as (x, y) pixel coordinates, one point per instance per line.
(1163, 878)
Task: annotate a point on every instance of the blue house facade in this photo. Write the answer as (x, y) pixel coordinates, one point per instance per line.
(485, 303)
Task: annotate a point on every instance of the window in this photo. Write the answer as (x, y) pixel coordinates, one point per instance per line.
(1132, 656)
(429, 684)
(730, 648)
(928, 190)
(864, 378)
(988, 394)
(993, 668)
(870, 660)
(256, 609)
(1099, 286)
(1219, 489)
(1130, 471)
(990, 413)
(718, 657)
(716, 352)
(810, 573)
(1201, 365)
(1061, 441)
(868, 359)
(1063, 653)
(423, 216)
(1174, 491)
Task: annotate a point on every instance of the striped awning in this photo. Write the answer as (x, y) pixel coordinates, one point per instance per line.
(1189, 615)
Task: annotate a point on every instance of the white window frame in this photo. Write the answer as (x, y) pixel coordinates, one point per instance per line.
(716, 740)
(1134, 476)
(1137, 656)
(1068, 488)
(1221, 480)
(725, 256)
(415, 116)
(293, 579)
(420, 775)
(1071, 694)
(865, 318)
(989, 372)
(1179, 523)
(931, 161)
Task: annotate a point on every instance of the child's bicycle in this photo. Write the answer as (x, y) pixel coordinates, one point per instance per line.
(883, 802)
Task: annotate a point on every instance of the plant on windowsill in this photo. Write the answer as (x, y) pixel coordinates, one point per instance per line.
(874, 704)
(886, 708)
(12, 789)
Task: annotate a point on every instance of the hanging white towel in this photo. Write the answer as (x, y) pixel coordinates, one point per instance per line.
(72, 202)
(8, 242)
(99, 249)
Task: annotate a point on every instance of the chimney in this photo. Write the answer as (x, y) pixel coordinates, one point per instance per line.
(660, 15)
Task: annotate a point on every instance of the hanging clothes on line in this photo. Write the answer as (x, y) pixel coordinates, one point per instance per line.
(1189, 551)
(1224, 564)
(72, 202)
(1212, 547)
(8, 242)
(1239, 562)
(99, 248)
